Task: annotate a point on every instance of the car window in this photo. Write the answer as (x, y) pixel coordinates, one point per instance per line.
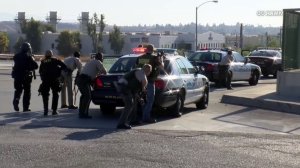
(238, 57)
(188, 65)
(123, 65)
(206, 56)
(167, 68)
(262, 53)
(182, 69)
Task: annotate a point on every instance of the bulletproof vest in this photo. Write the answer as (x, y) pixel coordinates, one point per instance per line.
(149, 59)
(50, 68)
(23, 65)
(133, 84)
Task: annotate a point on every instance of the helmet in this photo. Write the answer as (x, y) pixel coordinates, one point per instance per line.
(76, 54)
(150, 48)
(99, 56)
(48, 54)
(26, 47)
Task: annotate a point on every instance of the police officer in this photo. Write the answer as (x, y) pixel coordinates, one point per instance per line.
(72, 62)
(224, 74)
(157, 64)
(50, 71)
(23, 72)
(129, 86)
(88, 74)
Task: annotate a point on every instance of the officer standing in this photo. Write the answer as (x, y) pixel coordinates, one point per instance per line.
(129, 86)
(72, 62)
(23, 72)
(50, 71)
(224, 74)
(88, 74)
(157, 64)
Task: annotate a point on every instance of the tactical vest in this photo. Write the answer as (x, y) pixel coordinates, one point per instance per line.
(134, 85)
(149, 59)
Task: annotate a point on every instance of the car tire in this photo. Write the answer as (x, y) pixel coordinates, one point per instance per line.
(108, 109)
(254, 78)
(203, 102)
(176, 109)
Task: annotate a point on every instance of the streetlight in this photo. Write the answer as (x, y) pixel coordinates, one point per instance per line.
(215, 1)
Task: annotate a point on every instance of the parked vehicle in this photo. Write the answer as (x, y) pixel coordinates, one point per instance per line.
(270, 61)
(240, 68)
(167, 50)
(178, 84)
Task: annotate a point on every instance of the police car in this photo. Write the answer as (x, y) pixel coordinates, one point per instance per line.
(178, 84)
(240, 68)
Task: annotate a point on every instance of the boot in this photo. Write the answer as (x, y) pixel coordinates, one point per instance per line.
(16, 104)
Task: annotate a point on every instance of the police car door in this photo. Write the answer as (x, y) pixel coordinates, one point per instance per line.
(243, 71)
(187, 79)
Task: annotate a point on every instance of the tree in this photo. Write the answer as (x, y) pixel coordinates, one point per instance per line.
(4, 41)
(33, 32)
(68, 42)
(116, 40)
(18, 44)
(97, 35)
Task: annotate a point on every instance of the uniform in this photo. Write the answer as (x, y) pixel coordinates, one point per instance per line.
(23, 72)
(151, 59)
(72, 63)
(87, 75)
(129, 86)
(50, 71)
(224, 75)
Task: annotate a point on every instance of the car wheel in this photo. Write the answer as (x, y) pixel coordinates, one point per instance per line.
(176, 109)
(107, 109)
(254, 78)
(203, 102)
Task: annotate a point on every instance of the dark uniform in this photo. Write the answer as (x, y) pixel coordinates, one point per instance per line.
(23, 72)
(50, 71)
(129, 86)
(151, 59)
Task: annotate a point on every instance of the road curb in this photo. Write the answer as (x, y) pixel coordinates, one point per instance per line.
(264, 103)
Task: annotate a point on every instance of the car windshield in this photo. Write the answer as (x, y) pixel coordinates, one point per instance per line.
(263, 53)
(167, 51)
(206, 56)
(123, 65)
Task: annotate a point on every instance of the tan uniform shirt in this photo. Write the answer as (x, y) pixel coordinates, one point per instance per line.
(226, 60)
(73, 62)
(93, 68)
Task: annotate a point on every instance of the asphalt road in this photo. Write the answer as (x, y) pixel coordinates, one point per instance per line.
(220, 136)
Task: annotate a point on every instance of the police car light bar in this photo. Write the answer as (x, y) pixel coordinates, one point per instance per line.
(139, 50)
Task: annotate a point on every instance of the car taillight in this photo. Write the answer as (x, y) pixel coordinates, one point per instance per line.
(159, 84)
(209, 67)
(99, 83)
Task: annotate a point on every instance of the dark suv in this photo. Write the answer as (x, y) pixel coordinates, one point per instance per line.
(240, 68)
(270, 61)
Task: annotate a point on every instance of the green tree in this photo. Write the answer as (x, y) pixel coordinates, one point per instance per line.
(68, 42)
(33, 32)
(18, 44)
(116, 40)
(4, 41)
(95, 31)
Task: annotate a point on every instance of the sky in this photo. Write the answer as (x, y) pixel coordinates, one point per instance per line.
(151, 12)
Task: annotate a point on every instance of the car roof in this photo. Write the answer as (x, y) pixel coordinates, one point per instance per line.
(138, 55)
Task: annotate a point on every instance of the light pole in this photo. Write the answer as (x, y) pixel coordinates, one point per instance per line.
(215, 1)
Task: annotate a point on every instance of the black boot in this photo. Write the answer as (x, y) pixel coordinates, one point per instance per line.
(16, 104)
(46, 112)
